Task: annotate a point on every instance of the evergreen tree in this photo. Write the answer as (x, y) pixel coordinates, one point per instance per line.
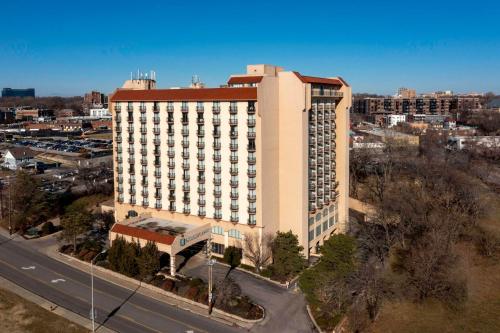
(149, 260)
(287, 257)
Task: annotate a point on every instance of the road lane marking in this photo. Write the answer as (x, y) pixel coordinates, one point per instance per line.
(57, 280)
(120, 299)
(28, 267)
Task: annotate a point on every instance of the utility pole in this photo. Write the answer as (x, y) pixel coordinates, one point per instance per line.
(92, 310)
(10, 207)
(210, 264)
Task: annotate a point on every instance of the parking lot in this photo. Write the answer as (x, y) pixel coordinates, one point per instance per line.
(68, 146)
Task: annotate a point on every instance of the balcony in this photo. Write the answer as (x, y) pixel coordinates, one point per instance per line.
(144, 161)
(217, 193)
(118, 139)
(233, 146)
(251, 122)
(185, 155)
(201, 157)
(119, 159)
(157, 163)
(171, 186)
(131, 191)
(251, 148)
(216, 145)
(234, 208)
(233, 171)
(216, 134)
(251, 160)
(118, 108)
(170, 108)
(252, 210)
(156, 108)
(252, 185)
(171, 198)
(217, 169)
(186, 177)
(145, 193)
(251, 135)
(233, 121)
(156, 130)
(216, 121)
(202, 213)
(120, 198)
(217, 216)
(201, 180)
(184, 108)
(185, 143)
(186, 188)
(252, 197)
(132, 201)
(170, 143)
(233, 110)
(143, 119)
(251, 173)
(233, 183)
(200, 144)
(143, 130)
(120, 189)
(156, 142)
(201, 190)
(119, 169)
(119, 180)
(130, 119)
(185, 132)
(144, 183)
(142, 108)
(200, 133)
(118, 119)
(233, 134)
(157, 174)
(217, 157)
(201, 202)
(201, 167)
(144, 141)
(218, 205)
(170, 120)
(233, 159)
(130, 140)
(131, 160)
(118, 129)
(144, 172)
(185, 121)
(158, 205)
(171, 154)
(251, 110)
(119, 149)
(200, 121)
(185, 166)
(216, 109)
(157, 195)
(200, 109)
(217, 181)
(157, 152)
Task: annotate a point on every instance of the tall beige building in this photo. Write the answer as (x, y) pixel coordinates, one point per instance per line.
(267, 152)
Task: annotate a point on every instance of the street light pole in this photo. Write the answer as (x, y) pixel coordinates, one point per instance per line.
(92, 310)
(210, 264)
(10, 207)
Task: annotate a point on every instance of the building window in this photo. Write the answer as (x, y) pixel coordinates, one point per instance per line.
(318, 217)
(332, 208)
(233, 233)
(325, 212)
(311, 235)
(318, 230)
(311, 220)
(218, 230)
(217, 248)
(325, 226)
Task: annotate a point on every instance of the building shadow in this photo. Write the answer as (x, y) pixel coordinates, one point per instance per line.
(115, 310)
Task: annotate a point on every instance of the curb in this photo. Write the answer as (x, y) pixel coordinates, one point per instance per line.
(313, 320)
(51, 307)
(229, 320)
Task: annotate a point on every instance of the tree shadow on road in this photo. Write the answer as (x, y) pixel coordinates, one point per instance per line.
(115, 310)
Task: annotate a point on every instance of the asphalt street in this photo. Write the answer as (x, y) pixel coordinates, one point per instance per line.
(118, 308)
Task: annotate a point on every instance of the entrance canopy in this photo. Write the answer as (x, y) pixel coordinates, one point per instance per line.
(169, 236)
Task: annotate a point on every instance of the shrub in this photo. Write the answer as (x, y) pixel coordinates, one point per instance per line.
(48, 228)
(232, 256)
(168, 285)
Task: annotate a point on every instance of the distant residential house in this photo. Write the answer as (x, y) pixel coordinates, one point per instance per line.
(17, 157)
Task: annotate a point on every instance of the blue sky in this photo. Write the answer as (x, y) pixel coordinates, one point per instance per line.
(69, 47)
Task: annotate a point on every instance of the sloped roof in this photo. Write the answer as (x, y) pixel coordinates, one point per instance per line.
(143, 234)
(320, 80)
(21, 152)
(245, 79)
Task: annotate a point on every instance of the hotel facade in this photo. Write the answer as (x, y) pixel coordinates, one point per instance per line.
(266, 152)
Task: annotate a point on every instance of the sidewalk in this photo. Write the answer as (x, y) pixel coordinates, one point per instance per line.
(147, 290)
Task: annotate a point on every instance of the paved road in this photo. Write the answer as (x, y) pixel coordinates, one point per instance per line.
(285, 310)
(118, 308)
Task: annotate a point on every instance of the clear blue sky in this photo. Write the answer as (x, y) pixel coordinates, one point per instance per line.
(69, 47)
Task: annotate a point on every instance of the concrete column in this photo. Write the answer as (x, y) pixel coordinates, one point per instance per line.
(172, 265)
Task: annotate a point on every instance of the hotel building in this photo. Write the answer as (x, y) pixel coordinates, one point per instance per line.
(267, 152)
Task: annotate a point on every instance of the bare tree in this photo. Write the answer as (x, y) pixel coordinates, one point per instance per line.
(258, 249)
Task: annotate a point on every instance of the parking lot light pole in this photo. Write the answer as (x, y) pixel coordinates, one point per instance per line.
(210, 264)
(92, 310)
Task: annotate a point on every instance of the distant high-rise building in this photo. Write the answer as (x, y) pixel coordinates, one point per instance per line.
(9, 92)
(407, 93)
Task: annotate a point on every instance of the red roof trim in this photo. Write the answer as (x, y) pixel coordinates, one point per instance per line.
(319, 80)
(142, 234)
(244, 79)
(202, 94)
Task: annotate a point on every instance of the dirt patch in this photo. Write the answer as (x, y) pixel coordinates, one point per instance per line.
(18, 315)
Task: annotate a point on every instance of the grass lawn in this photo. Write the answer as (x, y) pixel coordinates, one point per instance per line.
(481, 313)
(18, 315)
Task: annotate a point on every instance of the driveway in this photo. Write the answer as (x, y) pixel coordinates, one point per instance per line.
(285, 309)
